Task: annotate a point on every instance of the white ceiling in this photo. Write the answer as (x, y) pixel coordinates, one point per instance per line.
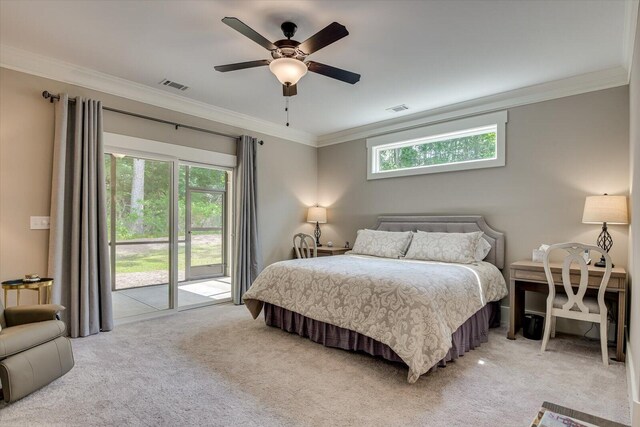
(425, 54)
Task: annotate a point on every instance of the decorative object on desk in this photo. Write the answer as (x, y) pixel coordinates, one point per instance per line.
(346, 245)
(538, 254)
(587, 256)
(330, 244)
(318, 215)
(605, 210)
(31, 278)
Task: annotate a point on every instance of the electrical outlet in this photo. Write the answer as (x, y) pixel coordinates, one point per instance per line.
(40, 222)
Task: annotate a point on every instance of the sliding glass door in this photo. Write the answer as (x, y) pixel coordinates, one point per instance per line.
(158, 263)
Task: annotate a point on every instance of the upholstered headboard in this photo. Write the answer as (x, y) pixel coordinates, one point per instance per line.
(449, 224)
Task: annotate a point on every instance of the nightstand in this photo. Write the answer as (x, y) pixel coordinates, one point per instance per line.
(329, 251)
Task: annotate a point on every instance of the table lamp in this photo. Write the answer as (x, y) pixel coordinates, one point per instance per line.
(605, 209)
(319, 216)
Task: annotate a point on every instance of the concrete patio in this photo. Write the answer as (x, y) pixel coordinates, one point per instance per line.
(150, 299)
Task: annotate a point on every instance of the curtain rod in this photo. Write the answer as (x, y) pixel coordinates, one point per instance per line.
(51, 97)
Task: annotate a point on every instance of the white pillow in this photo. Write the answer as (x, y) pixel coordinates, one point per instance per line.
(444, 247)
(482, 250)
(387, 244)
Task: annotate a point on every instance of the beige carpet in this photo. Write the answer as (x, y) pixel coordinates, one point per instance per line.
(217, 366)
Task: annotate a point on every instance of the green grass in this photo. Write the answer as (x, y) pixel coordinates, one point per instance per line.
(158, 259)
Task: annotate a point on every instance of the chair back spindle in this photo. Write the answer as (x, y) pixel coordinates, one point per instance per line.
(575, 253)
(576, 306)
(305, 246)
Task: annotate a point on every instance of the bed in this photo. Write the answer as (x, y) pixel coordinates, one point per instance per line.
(420, 313)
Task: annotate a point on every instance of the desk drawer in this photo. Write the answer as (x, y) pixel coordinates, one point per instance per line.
(539, 276)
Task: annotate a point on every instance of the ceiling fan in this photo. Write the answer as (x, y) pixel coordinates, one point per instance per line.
(288, 63)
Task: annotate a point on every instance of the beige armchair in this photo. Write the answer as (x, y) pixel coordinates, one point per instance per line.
(33, 349)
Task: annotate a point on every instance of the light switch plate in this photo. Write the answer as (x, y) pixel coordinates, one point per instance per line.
(40, 222)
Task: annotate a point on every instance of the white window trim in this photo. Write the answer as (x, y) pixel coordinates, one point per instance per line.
(498, 118)
(117, 143)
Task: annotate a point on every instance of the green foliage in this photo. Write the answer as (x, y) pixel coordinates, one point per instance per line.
(204, 178)
(154, 215)
(206, 209)
(476, 147)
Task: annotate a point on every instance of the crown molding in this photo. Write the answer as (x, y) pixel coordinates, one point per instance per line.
(575, 85)
(47, 67)
(54, 69)
(630, 27)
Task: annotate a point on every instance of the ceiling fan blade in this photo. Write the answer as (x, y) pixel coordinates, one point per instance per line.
(290, 90)
(329, 34)
(241, 65)
(333, 72)
(249, 32)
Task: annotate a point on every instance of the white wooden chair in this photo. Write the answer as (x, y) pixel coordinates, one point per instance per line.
(303, 248)
(574, 305)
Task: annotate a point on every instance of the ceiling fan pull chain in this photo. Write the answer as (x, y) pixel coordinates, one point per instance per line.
(286, 109)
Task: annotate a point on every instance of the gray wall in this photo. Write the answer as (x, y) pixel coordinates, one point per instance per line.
(286, 170)
(634, 246)
(558, 152)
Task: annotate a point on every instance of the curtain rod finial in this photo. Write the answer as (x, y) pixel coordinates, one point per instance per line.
(48, 95)
(261, 142)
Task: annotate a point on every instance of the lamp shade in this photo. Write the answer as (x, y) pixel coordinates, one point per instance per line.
(609, 209)
(288, 70)
(317, 214)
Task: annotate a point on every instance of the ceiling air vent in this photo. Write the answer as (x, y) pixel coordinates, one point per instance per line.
(398, 108)
(174, 85)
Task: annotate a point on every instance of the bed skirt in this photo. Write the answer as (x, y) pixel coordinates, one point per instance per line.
(470, 335)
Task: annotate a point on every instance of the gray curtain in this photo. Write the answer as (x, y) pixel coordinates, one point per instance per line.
(78, 245)
(248, 253)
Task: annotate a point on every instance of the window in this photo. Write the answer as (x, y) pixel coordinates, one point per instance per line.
(472, 143)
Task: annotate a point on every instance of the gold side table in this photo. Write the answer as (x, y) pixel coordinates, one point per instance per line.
(19, 284)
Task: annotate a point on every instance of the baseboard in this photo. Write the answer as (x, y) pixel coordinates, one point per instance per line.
(632, 387)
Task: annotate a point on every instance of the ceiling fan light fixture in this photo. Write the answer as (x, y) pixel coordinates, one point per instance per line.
(288, 70)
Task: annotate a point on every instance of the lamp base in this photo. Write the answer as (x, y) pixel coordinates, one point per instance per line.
(605, 242)
(317, 235)
(602, 263)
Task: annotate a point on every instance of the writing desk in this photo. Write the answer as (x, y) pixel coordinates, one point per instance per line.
(530, 276)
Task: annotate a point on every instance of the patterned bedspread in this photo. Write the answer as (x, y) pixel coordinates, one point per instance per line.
(411, 306)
